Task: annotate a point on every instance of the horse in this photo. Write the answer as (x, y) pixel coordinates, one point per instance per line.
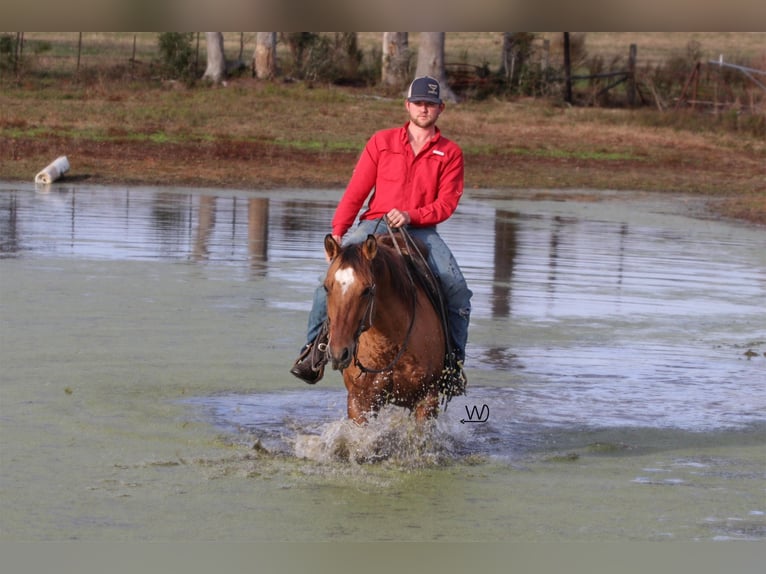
(385, 335)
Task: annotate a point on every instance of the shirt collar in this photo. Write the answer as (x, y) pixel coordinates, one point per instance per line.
(435, 138)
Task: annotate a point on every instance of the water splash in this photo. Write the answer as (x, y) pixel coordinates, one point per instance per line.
(313, 426)
(393, 436)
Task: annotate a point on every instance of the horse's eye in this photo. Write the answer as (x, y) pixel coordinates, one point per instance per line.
(326, 290)
(367, 292)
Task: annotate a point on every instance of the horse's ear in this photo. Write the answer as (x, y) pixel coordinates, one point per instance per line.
(331, 247)
(370, 247)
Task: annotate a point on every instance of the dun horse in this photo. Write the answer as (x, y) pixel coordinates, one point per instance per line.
(384, 333)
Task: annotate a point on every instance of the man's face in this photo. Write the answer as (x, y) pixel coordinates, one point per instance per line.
(424, 114)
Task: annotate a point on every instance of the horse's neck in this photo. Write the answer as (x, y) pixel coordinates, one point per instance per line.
(392, 313)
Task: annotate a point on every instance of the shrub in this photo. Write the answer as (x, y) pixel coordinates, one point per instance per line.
(177, 55)
(326, 58)
(7, 52)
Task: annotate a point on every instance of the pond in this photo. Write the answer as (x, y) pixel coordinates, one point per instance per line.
(616, 366)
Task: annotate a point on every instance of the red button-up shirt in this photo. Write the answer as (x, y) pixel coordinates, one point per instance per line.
(427, 186)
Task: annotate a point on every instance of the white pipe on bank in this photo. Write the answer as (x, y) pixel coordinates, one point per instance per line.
(53, 171)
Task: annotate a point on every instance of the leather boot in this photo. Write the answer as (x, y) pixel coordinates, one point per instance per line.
(309, 366)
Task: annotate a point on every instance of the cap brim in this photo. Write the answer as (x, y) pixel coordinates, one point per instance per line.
(424, 99)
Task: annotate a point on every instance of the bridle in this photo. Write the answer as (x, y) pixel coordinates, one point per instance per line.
(365, 325)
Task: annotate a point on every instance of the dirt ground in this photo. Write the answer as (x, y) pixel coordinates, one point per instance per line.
(253, 165)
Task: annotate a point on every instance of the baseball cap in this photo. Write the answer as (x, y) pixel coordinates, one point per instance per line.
(424, 89)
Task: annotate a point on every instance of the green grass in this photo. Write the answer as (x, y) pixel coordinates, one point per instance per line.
(577, 154)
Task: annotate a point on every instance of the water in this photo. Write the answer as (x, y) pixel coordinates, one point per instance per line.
(616, 368)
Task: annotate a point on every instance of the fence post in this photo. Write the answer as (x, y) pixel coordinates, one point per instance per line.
(79, 50)
(567, 70)
(631, 83)
(133, 57)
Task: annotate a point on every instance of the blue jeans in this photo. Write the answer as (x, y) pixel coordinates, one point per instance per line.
(442, 263)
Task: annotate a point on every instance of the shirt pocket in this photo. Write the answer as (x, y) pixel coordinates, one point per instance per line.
(392, 167)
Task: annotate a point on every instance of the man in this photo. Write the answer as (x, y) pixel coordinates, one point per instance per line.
(417, 178)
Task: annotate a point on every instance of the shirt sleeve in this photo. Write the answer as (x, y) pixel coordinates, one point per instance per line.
(448, 194)
(358, 189)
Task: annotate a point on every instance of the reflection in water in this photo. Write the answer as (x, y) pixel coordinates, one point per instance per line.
(258, 231)
(553, 255)
(521, 261)
(135, 224)
(505, 255)
(205, 223)
(524, 264)
(9, 233)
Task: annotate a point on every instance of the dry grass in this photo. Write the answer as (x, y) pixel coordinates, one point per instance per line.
(657, 47)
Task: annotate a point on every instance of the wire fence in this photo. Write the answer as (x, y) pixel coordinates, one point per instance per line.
(535, 69)
(112, 53)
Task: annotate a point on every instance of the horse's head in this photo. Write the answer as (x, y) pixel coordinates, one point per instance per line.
(350, 287)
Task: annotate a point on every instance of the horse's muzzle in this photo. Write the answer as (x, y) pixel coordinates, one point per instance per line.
(343, 359)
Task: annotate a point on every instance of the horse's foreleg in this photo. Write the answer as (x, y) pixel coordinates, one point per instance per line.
(427, 408)
(355, 411)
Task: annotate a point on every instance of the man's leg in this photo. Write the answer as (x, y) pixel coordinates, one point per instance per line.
(365, 228)
(456, 290)
(309, 366)
(318, 313)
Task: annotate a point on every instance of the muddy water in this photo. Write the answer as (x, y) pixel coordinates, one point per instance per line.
(616, 372)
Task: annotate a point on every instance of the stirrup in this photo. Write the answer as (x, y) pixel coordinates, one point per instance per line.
(309, 366)
(319, 348)
(318, 353)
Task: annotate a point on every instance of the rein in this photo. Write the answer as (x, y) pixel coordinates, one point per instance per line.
(433, 289)
(369, 313)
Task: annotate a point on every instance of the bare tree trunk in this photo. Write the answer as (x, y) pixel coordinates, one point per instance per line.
(508, 60)
(396, 59)
(216, 61)
(517, 47)
(431, 61)
(265, 56)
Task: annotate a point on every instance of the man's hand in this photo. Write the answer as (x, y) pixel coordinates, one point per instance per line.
(397, 218)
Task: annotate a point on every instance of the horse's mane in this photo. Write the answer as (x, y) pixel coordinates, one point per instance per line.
(387, 263)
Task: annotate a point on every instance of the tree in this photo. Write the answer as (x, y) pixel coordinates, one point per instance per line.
(347, 54)
(396, 59)
(176, 54)
(431, 61)
(517, 49)
(265, 56)
(216, 61)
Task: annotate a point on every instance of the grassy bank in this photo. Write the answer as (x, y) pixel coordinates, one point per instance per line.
(253, 134)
